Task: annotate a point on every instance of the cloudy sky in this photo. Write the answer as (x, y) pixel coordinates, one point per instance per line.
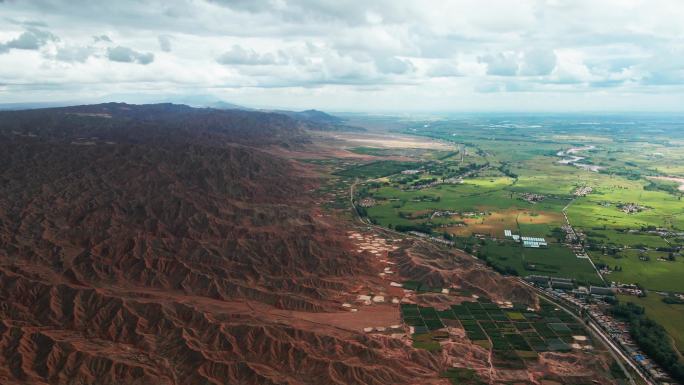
(350, 55)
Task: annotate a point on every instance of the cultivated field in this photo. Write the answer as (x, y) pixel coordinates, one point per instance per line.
(612, 194)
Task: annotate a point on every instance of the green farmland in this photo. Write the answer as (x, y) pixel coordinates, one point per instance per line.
(555, 261)
(611, 190)
(510, 177)
(514, 335)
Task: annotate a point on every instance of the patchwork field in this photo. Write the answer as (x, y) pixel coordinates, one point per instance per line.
(524, 175)
(609, 191)
(514, 334)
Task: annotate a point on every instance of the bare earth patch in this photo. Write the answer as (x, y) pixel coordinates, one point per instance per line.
(389, 141)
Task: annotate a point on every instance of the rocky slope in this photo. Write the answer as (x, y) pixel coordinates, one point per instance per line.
(431, 264)
(163, 244)
(134, 239)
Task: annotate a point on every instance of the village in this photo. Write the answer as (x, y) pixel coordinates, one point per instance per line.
(513, 333)
(592, 305)
(417, 323)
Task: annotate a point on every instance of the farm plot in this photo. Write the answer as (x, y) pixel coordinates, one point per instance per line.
(514, 335)
(650, 269)
(377, 169)
(554, 261)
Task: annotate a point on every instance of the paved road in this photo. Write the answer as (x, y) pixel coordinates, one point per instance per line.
(617, 353)
(567, 220)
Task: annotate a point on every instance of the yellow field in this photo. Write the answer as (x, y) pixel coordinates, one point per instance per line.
(495, 223)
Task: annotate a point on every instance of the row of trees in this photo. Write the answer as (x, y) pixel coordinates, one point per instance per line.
(651, 337)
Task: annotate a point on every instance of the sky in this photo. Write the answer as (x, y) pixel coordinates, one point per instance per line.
(344, 55)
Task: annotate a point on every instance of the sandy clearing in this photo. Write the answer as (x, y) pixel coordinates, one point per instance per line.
(390, 141)
(367, 316)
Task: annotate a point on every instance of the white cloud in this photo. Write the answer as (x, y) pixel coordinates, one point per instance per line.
(571, 68)
(501, 63)
(445, 51)
(538, 62)
(74, 53)
(164, 42)
(444, 69)
(245, 56)
(394, 65)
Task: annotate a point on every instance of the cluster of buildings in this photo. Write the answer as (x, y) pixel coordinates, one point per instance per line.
(619, 332)
(565, 290)
(421, 186)
(569, 286)
(367, 202)
(532, 242)
(629, 289)
(583, 191)
(532, 198)
(573, 241)
(631, 208)
(431, 238)
(453, 180)
(447, 213)
(570, 236)
(437, 182)
(508, 234)
(551, 282)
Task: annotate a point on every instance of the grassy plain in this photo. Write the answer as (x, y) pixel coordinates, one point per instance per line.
(554, 261)
(655, 273)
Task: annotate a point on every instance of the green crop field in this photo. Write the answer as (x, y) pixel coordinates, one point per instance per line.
(514, 335)
(511, 178)
(555, 261)
(534, 176)
(654, 273)
(376, 169)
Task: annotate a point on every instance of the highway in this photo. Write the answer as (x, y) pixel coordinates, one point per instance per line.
(618, 354)
(615, 350)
